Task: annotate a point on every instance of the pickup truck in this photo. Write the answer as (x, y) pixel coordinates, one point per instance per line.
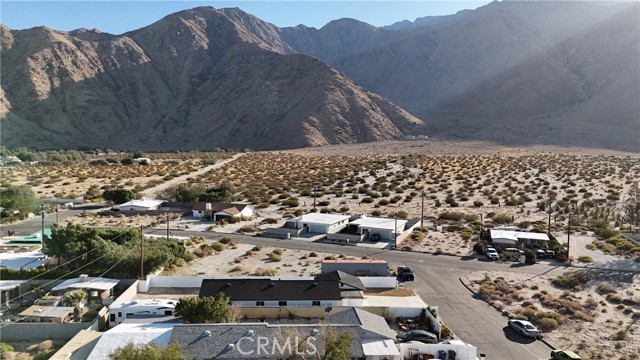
(404, 273)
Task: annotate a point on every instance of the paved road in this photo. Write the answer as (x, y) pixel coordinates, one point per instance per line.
(27, 227)
(437, 283)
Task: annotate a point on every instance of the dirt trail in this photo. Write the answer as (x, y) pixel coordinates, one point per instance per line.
(151, 192)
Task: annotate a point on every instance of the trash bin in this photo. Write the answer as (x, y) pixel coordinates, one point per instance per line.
(452, 355)
(442, 355)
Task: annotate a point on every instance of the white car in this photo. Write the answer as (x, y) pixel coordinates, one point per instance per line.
(524, 327)
(492, 254)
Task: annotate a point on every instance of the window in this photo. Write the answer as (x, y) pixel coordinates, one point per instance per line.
(282, 303)
(315, 303)
(119, 314)
(129, 314)
(259, 303)
(168, 312)
(112, 318)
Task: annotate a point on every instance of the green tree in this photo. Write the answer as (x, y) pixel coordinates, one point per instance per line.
(150, 351)
(75, 298)
(138, 154)
(207, 309)
(126, 161)
(20, 198)
(119, 196)
(224, 192)
(337, 345)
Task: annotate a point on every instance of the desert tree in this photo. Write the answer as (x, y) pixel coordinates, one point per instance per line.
(206, 309)
(337, 344)
(151, 351)
(75, 298)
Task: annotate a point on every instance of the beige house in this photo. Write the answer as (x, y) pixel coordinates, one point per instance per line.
(51, 314)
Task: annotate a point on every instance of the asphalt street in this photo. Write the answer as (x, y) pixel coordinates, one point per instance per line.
(27, 227)
(438, 284)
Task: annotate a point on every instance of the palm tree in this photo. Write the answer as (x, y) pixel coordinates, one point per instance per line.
(75, 298)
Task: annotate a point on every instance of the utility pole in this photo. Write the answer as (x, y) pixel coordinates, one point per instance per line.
(141, 254)
(395, 230)
(42, 228)
(549, 224)
(568, 233)
(167, 225)
(315, 188)
(422, 217)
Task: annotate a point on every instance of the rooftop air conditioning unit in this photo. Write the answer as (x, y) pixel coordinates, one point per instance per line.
(84, 278)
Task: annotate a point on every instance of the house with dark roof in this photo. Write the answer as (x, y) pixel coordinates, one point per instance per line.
(269, 292)
(346, 281)
(371, 338)
(220, 211)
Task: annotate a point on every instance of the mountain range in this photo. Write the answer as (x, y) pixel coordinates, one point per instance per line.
(514, 72)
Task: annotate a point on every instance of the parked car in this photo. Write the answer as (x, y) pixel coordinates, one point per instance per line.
(550, 253)
(564, 355)
(524, 327)
(417, 335)
(375, 237)
(541, 254)
(513, 251)
(492, 254)
(405, 273)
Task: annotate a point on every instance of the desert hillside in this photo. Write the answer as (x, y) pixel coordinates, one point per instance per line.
(510, 72)
(197, 79)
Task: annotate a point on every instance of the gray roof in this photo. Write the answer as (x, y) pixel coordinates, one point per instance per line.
(240, 341)
(343, 278)
(252, 289)
(374, 324)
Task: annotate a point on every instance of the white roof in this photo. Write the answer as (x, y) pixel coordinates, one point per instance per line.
(91, 283)
(26, 260)
(134, 333)
(142, 203)
(146, 302)
(508, 235)
(379, 348)
(320, 218)
(532, 236)
(504, 241)
(10, 284)
(379, 223)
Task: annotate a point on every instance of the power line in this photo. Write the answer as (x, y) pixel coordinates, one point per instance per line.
(77, 257)
(71, 271)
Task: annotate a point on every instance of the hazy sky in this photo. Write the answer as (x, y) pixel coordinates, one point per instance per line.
(121, 16)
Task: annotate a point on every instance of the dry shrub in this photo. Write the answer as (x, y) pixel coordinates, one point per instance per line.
(265, 272)
(238, 269)
(548, 324)
(606, 288)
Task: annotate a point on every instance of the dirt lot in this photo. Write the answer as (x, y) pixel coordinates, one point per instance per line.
(598, 320)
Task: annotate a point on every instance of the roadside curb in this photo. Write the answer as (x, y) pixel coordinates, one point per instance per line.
(500, 311)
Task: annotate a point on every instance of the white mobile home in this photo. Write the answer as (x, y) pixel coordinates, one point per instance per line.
(140, 308)
(321, 223)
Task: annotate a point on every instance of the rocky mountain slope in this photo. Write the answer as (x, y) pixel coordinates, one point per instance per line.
(197, 79)
(515, 72)
(518, 72)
